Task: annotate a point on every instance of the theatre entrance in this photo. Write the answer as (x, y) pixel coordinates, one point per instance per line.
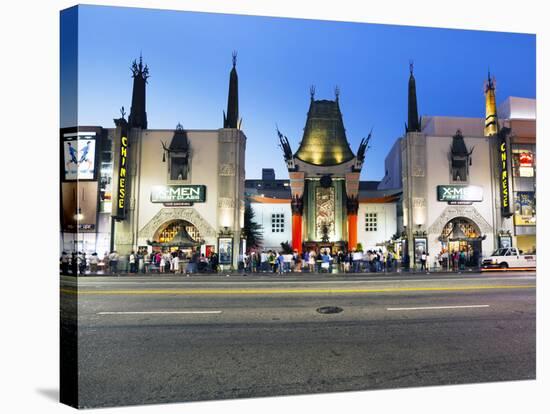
(177, 235)
(462, 235)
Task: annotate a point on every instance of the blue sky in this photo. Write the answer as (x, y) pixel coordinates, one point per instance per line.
(189, 56)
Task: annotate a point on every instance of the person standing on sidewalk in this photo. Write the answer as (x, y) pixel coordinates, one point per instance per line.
(280, 262)
(427, 263)
(214, 262)
(357, 256)
(176, 263)
(94, 260)
(65, 259)
(162, 263)
(423, 258)
(82, 262)
(132, 262)
(113, 262)
(287, 260)
(311, 261)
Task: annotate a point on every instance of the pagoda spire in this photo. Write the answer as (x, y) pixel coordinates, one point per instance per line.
(231, 118)
(138, 114)
(491, 122)
(413, 124)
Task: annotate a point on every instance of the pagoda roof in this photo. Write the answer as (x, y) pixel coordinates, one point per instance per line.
(324, 142)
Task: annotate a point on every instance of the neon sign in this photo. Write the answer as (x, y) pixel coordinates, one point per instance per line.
(122, 182)
(504, 175)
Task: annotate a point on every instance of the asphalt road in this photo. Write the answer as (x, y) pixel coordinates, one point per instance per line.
(168, 339)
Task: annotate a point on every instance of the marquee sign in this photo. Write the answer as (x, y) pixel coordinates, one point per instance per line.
(504, 173)
(119, 205)
(178, 194)
(459, 194)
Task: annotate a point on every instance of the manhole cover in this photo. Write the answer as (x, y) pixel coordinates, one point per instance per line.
(329, 309)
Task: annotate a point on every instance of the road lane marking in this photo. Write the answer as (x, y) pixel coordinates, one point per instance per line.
(286, 291)
(438, 307)
(161, 313)
(268, 282)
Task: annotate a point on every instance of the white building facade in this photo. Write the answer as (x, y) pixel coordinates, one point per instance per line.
(448, 198)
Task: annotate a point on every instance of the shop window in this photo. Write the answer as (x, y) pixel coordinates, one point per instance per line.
(523, 163)
(371, 222)
(105, 181)
(277, 223)
(524, 208)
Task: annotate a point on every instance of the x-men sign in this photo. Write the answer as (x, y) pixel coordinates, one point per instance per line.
(459, 193)
(178, 193)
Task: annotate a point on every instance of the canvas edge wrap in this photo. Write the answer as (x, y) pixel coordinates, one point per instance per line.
(68, 312)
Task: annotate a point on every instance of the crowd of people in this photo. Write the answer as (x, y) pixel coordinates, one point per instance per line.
(139, 262)
(322, 261)
(457, 260)
(257, 261)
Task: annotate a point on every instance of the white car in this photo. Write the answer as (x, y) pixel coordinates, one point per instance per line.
(509, 257)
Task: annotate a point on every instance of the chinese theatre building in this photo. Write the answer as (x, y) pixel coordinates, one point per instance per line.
(519, 115)
(468, 183)
(270, 200)
(180, 189)
(324, 180)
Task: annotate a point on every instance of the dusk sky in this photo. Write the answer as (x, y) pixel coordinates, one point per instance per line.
(189, 56)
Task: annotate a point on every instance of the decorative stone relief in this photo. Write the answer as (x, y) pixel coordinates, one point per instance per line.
(418, 171)
(419, 202)
(325, 210)
(228, 136)
(418, 156)
(226, 202)
(227, 170)
(167, 214)
(122, 238)
(452, 212)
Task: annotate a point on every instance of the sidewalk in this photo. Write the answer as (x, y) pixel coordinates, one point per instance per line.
(275, 275)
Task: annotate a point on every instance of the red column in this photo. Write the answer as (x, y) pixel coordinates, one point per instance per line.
(297, 207)
(353, 208)
(297, 232)
(352, 231)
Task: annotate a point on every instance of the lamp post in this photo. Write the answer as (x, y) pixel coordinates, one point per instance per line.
(78, 216)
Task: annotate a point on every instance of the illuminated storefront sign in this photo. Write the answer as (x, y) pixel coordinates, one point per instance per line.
(458, 194)
(79, 155)
(225, 249)
(178, 194)
(504, 178)
(122, 182)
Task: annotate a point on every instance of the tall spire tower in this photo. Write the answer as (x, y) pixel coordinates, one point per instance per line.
(231, 118)
(491, 122)
(138, 115)
(413, 124)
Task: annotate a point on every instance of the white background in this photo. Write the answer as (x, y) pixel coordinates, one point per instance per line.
(29, 90)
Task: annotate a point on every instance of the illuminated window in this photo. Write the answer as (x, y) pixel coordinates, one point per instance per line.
(523, 163)
(277, 223)
(524, 208)
(371, 222)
